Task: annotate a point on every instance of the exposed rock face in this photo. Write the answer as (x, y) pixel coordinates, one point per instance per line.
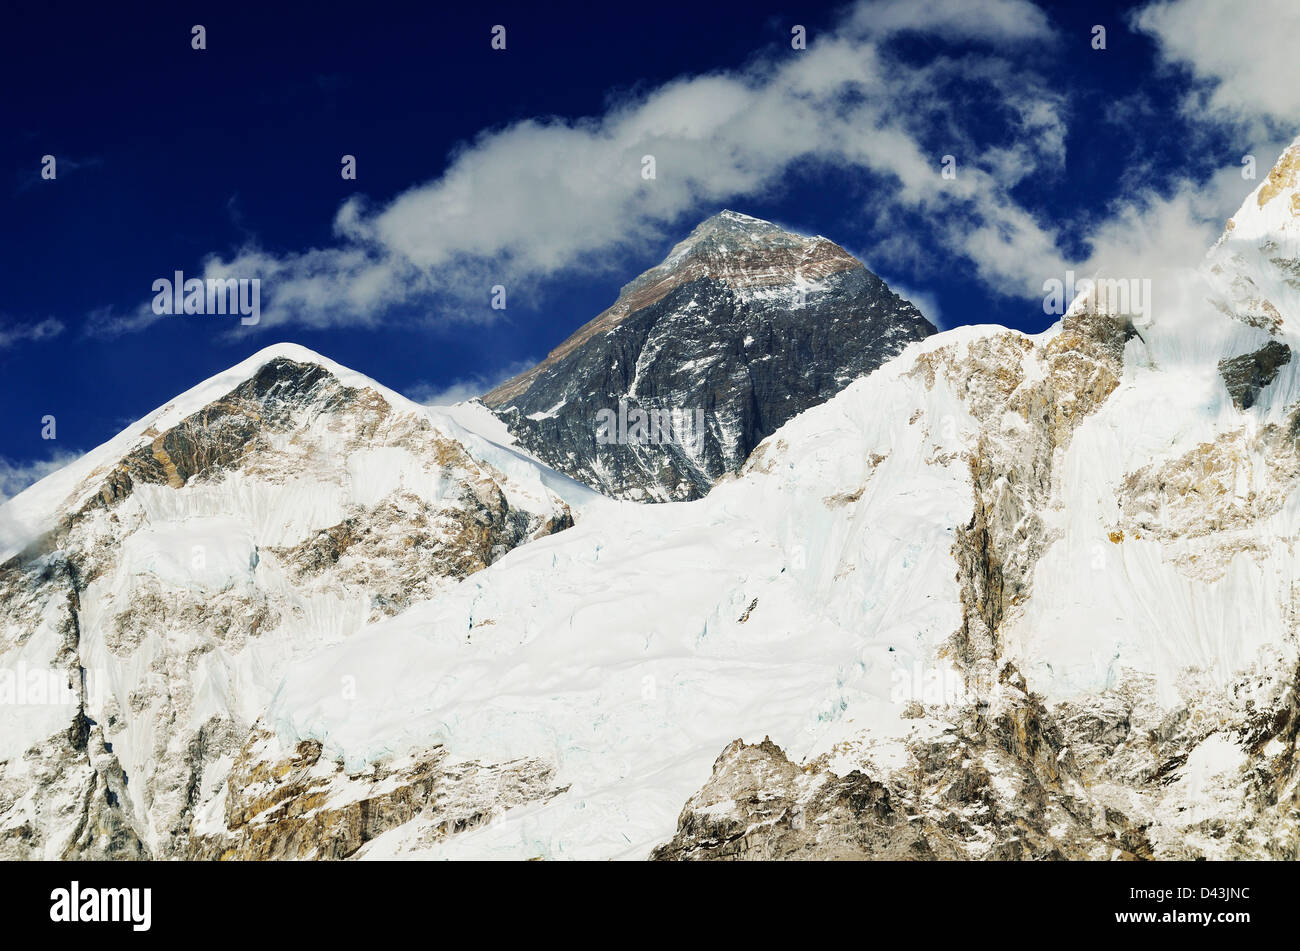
(1246, 375)
(300, 805)
(998, 783)
(1271, 777)
(388, 548)
(1029, 400)
(1213, 777)
(272, 520)
(1215, 499)
(742, 327)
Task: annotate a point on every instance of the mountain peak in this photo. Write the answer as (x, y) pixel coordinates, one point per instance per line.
(735, 222)
(1251, 270)
(742, 251)
(730, 232)
(749, 255)
(727, 216)
(744, 322)
(23, 516)
(1272, 210)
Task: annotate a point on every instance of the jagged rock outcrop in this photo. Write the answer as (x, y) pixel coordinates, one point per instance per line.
(1246, 375)
(1028, 399)
(299, 804)
(998, 783)
(742, 327)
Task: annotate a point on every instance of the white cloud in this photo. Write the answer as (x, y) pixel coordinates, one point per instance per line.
(521, 204)
(985, 21)
(108, 322)
(1243, 56)
(1152, 232)
(1163, 236)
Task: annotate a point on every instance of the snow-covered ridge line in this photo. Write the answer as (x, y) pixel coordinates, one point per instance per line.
(37, 509)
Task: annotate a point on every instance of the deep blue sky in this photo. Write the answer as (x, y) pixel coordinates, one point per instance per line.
(167, 154)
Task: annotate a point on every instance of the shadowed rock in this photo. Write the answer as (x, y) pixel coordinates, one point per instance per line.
(1246, 375)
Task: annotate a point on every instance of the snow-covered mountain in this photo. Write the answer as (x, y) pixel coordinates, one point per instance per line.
(743, 326)
(155, 592)
(1007, 596)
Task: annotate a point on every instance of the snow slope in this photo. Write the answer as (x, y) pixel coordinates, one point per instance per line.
(617, 647)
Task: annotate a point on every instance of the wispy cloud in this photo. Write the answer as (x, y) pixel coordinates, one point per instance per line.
(464, 388)
(16, 476)
(14, 333)
(1240, 56)
(109, 322)
(924, 301)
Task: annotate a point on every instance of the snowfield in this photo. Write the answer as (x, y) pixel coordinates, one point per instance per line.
(617, 647)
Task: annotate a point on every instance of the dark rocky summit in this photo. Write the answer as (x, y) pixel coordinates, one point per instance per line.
(742, 327)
